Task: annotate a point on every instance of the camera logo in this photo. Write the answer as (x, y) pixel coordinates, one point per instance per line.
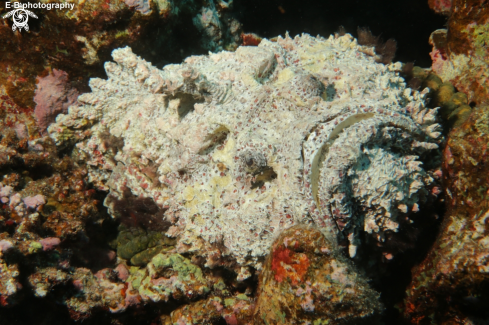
(20, 17)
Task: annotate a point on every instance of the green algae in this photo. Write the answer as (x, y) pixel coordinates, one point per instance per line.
(144, 257)
(187, 272)
(140, 246)
(122, 34)
(35, 247)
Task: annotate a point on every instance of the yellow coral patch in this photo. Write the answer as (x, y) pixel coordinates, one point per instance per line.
(285, 75)
(226, 155)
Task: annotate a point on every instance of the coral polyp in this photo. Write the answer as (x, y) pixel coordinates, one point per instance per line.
(238, 146)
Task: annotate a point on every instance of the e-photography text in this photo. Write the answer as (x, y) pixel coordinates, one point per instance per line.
(36, 5)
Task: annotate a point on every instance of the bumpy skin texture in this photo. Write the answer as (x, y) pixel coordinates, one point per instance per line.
(457, 265)
(460, 55)
(239, 146)
(305, 279)
(139, 246)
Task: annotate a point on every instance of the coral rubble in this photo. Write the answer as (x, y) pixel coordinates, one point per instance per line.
(45, 200)
(235, 147)
(234, 310)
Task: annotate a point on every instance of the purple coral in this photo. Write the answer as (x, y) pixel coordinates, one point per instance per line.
(49, 243)
(33, 202)
(5, 190)
(142, 6)
(5, 245)
(21, 131)
(53, 96)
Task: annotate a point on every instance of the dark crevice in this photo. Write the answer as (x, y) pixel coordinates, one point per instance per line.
(266, 174)
(411, 245)
(36, 172)
(134, 211)
(410, 23)
(215, 140)
(187, 103)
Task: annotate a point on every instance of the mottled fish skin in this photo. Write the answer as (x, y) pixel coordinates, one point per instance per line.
(238, 146)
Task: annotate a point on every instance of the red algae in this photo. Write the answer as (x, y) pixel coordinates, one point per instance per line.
(441, 6)
(303, 281)
(287, 264)
(251, 39)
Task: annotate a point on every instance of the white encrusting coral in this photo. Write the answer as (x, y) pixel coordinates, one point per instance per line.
(238, 146)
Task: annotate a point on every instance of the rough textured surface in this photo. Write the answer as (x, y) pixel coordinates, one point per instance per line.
(305, 281)
(169, 276)
(450, 286)
(234, 310)
(441, 6)
(53, 247)
(453, 106)
(461, 56)
(78, 41)
(44, 202)
(236, 147)
(53, 96)
(218, 33)
(139, 246)
(451, 283)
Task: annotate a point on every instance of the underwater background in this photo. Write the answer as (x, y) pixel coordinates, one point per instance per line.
(244, 162)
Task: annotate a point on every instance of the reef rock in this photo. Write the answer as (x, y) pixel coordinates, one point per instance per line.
(53, 96)
(234, 310)
(315, 284)
(452, 281)
(237, 146)
(87, 31)
(460, 54)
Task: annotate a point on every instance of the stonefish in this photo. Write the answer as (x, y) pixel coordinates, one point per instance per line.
(235, 147)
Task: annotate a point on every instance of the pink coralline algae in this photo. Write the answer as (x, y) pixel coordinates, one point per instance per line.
(441, 6)
(5, 192)
(15, 200)
(143, 6)
(33, 202)
(21, 131)
(53, 96)
(5, 245)
(49, 243)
